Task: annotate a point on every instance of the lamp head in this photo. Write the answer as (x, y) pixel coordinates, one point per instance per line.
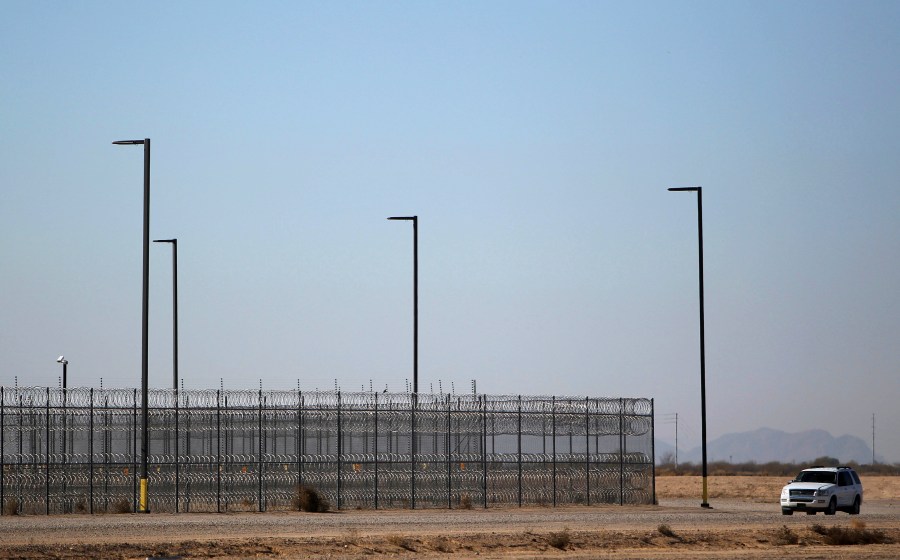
(408, 218)
(128, 142)
(165, 240)
(685, 189)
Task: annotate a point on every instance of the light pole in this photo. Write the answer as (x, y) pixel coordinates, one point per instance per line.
(174, 243)
(699, 191)
(415, 395)
(62, 360)
(415, 222)
(65, 364)
(142, 504)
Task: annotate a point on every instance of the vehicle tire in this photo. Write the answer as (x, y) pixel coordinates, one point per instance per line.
(787, 511)
(832, 506)
(854, 509)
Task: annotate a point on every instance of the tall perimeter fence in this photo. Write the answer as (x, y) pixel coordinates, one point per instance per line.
(79, 450)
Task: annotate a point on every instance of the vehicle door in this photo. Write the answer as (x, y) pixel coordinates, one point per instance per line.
(846, 491)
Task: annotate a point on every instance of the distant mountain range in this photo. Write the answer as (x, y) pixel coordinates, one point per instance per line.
(765, 444)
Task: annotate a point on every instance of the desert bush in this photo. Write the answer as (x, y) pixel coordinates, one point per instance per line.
(785, 536)
(855, 534)
(401, 541)
(309, 499)
(81, 507)
(11, 507)
(465, 502)
(667, 531)
(121, 506)
(559, 539)
(443, 544)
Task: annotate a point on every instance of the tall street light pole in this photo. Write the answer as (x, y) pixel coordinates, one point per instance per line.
(699, 191)
(415, 395)
(142, 504)
(65, 365)
(62, 360)
(415, 222)
(174, 243)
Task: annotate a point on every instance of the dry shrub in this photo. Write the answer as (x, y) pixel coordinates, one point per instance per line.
(401, 541)
(81, 507)
(465, 502)
(559, 539)
(855, 534)
(11, 507)
(443, 544)
(785, 536)
(311, 500)
(667, 531)
(121, 506)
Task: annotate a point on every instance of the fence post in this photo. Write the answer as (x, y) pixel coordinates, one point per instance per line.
(484, 449)
(134, 469)
(587, 450)
(218, 451)
(621, 451)
(90, 452)
(449, 475)
(298, 446)
(177, 450)
(339, 442)
(519, 448)
(553, 422)
(375, 449)
(301, 451)
(412, 456)
(653, 449)
(2, 452)
(47, 451)
(259, 463)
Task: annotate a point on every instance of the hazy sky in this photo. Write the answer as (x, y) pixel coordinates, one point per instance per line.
(534, 140)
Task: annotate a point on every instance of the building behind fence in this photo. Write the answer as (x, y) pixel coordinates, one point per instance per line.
(218, 451)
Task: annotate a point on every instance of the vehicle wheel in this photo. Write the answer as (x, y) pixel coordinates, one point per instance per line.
(854, 509)
(787, 511)
(832, 506)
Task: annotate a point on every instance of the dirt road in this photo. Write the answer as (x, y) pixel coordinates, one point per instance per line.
(736, 527)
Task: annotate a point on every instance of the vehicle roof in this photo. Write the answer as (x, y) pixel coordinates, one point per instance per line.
(827, 469)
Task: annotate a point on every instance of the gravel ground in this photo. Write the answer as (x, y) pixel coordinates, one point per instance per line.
(744, 522)
(732, 528)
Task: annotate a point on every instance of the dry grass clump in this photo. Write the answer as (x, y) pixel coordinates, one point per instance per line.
(309, 499)
(121, 506)
(855, 534)
(667, 531)
(11, 507)
(559, 539)
(443, 544)
(786, 536)
(402, 542)
(465, 502)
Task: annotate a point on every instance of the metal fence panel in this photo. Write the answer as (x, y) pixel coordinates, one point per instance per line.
(226, 451)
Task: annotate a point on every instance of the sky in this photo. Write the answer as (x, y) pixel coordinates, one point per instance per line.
(535, 141)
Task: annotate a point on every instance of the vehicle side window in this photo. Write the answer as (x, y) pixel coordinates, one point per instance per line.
(844, 479)
(856, 477)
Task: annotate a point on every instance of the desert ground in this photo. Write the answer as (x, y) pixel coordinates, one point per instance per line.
(744, 522)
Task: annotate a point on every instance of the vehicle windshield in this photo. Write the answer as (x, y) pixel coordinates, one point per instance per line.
(822, 477)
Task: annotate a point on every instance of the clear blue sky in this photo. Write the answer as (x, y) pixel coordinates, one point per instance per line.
(535, 141)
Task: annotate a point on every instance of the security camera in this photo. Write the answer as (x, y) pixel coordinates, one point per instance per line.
(61, 359)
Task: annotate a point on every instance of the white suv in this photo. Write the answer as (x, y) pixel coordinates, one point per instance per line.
(826, 489)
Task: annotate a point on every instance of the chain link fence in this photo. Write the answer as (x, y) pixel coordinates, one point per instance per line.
(223, 451)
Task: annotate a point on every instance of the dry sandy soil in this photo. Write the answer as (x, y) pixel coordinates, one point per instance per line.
(744, 522)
